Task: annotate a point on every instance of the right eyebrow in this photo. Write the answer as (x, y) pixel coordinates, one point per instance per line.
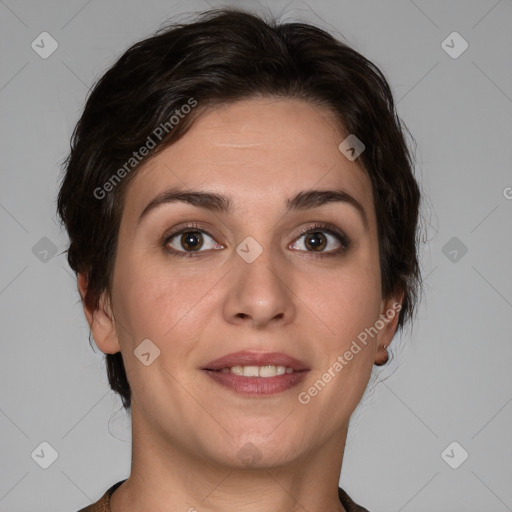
(209, 200)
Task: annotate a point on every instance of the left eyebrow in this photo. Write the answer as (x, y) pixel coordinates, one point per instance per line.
(315, 198)
(212, 201)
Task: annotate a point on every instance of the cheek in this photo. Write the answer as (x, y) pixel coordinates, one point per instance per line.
(348, 305)
(159, 307)
(347, 300)
(153, 300)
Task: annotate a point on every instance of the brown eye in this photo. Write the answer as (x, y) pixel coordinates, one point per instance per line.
(315, 241)
(192, 240)
(322, 241)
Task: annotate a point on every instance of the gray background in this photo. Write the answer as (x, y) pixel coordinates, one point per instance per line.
(450, 377)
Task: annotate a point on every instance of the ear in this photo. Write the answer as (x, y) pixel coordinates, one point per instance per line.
(101, 320)
(390, 311)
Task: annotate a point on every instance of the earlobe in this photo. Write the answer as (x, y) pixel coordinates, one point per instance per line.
(382, 356)
(100, 320)
(389, 321)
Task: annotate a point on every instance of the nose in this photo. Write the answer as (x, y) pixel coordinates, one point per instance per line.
(260, 293)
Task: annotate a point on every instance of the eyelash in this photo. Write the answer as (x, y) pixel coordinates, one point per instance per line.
(324, 228)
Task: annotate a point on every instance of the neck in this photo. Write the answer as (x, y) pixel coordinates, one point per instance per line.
(166, 477)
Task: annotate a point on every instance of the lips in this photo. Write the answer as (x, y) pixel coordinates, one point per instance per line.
(247, 358)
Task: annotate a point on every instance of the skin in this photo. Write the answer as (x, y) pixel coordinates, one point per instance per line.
(188, 430)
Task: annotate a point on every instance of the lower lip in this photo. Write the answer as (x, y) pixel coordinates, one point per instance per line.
(257, 386)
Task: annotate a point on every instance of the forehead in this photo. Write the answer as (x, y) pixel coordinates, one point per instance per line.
(255, 150)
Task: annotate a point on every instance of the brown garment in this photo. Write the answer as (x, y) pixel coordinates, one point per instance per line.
(103, 504)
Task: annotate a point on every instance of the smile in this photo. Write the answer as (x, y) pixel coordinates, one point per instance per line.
(258, 371)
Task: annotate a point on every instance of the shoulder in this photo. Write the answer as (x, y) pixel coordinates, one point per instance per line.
(103, 504)
(348, 503)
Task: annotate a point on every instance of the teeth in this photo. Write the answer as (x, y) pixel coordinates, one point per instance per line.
(268, 371)
(237, 370)
(258, 371)
(251, 371)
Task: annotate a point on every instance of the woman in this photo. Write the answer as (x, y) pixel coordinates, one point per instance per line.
(242, 216)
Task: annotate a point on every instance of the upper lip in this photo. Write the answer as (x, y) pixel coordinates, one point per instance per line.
(247, 358)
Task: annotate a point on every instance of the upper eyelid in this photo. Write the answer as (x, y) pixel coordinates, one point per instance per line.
(175, 232)
(193, 229)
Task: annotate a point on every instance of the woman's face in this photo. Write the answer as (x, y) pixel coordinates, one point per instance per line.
(246, 279)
